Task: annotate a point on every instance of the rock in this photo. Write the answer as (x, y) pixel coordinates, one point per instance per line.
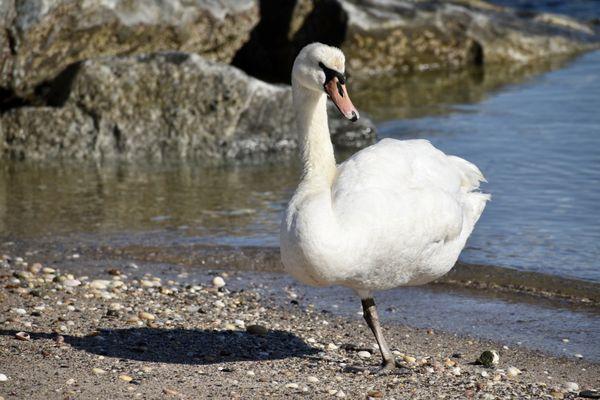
(125, 378)
(489, 358)
(19, 311)
(219, 304)
(23, 336)
(292, 386)
(340, 394)
(100, 284)
(70, 381)
(218, 282)
(48, 40)
(571, 387)
(258, 330)
(409, 359)
(170, 392)
(332, 347)
(513, 371)
(364, 354)
(375, 394)
(449, 363)
(146, 316)
(312, 379)
(3, 378)
(168, 105)
(71, 282)
(403, 35)
(98, 371)
(456, 371)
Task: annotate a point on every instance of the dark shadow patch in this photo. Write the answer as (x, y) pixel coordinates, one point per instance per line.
(9, 100)
(272, 48)
(476, 55)
(56, 92)
(185, 346)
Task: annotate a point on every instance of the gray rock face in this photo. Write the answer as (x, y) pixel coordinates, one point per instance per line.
(384, 36)
(160, 106)
(46, 36)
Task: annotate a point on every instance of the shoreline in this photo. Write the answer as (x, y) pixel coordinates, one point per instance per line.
(124, 333)
(267, 259)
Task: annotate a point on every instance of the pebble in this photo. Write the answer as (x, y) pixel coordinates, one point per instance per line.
(513, 371)
(572, 387)
(258, 330)
(72, 282)
(489, 358)
(376, 394)
(99, 284)
(240, 323)
(98, 371)
(3, 378)
(340, 394)
(312, 379)
(331, 347)
(48, 270)
(484, 374)
(219, 304)
(577, 355)
(70, 381)
(364, 354)
(409, 359)
(125, 378)
(23, 336)
(250, 373)
(218, 282)
(449, 363)
(456, 371)
(292, 386)
(146, 316)
(20, 311)
(170, 392)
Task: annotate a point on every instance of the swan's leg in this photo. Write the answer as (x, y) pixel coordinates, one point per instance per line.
(389, 362)
(370, 315)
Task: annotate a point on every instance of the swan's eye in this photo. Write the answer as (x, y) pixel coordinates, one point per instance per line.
(331, 73)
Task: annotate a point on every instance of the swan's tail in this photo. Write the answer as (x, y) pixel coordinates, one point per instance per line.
(471, 178)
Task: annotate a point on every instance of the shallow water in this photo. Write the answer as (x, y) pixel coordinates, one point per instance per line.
(536, 138)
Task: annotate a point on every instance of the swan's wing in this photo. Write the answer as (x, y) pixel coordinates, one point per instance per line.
(406, 189)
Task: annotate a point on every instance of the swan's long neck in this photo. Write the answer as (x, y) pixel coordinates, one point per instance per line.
(317, 151)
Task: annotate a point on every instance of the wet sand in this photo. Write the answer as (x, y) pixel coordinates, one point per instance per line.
(120, 332)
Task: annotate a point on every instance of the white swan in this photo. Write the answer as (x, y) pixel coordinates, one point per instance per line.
(397, 213)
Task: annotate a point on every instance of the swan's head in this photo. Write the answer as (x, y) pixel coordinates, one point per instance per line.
(321, 68)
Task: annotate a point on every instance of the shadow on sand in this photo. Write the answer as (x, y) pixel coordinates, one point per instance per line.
(184, 346)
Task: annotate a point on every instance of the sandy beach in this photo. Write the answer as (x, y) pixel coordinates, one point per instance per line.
(124, 333)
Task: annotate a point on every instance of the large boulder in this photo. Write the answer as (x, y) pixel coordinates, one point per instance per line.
(382, 36)
(7, 15)
(46, 36)
(161, 106)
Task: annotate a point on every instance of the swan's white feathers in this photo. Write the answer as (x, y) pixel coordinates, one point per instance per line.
(403, 211)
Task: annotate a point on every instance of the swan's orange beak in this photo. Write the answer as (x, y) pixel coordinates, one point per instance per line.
(338, 94)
